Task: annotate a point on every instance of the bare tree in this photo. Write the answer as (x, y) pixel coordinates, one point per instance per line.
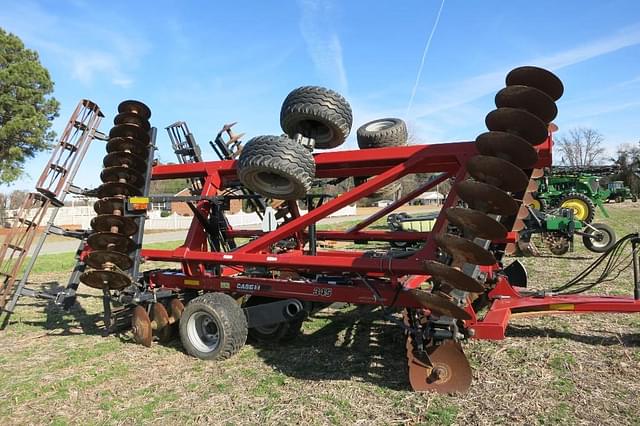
(581, 147)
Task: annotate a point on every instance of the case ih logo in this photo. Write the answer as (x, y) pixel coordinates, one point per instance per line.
(247, 287)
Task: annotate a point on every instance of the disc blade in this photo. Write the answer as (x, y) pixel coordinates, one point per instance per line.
(123, 175)
(129, 131)
(537, 173)
(113, 189)
(105, 278)
(528, 98)
(98, 259)
(111, 241)
(532, 186)
(105, 223)
(126, 159)
(160, 318)
(518, 225)
(518, 122)
(465, 250)
(509, 147)
(132, 118)
(128, 144)
(486, 198)
(135, 107)
(449, 372)
(438, 304)
(110, 205)
(523, 212)
(477, 223)
(451, 276)
(176, 307)
(497, 172)
(536, 77)
(527, 198)
(141, 326)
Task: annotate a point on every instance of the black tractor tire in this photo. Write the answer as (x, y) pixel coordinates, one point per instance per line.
(589, 209)
(318, 113)
(634, 199)
(276, 167)
(606, 238)
(213, 327)
(282, 332)
(381, 133)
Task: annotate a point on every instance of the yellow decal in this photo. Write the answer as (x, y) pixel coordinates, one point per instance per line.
(191, 282)
(562, 307)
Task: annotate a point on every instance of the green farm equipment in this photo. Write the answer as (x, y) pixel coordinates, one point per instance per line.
(618, 193)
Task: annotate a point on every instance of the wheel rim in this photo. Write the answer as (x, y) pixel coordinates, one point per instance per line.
(379, 125)
(600, 239)
(203, 332)
(535, 204)
(316, 130)
(274, 182)
(579, 207)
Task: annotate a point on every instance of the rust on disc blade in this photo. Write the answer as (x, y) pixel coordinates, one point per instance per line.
(141, 326)
(450, 371)
(438, 304)
(486, 198)
(98, 258)
(105, 222)
(135, 107)
(112, 189)
(497, 172)
(453, 277)
(135, 119)
(126, 159)
(176, 307)
(477, 223)
(527, 198)
(523, 212)
(510, 249)
(536, 77)
(128, 144)
(106, 278)
(518, 225)
(518, 122)
(109, 205)
(465, 250)
(129, 131)
(532, 186)
(537, 173)
(122, 174)
(111, 241)
(507, 146)
(528, 98)
(160, 319)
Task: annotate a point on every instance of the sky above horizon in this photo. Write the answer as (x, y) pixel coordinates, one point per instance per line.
(210, 64)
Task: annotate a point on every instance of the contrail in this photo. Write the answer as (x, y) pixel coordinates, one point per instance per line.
(424, 56)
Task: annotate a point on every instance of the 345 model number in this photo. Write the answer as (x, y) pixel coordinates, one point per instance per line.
(322, 292)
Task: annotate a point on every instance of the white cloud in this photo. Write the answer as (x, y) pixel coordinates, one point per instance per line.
(323, 43)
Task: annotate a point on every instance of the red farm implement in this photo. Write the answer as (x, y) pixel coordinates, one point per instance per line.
(264, 282)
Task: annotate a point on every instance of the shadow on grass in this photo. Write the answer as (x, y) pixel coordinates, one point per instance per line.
(610, 339)
(356, 344)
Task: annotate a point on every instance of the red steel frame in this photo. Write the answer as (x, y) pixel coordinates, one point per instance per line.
(386, 165)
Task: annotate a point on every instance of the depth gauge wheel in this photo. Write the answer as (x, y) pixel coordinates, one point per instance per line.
(599, 240)
(276, 167)
(582, 206)
(213, 327)
(282, 332)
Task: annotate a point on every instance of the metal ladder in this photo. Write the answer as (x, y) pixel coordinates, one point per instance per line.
(52, 186)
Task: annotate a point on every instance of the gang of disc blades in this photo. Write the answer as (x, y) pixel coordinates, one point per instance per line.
(129, 131)
(518, 122)
(132, 145)
(126, 159)
(509, 147)
(497, 172)
(135, 107)
(141, 326)
(98, 258)
(453, 277)
(113, 189)
(109, 205)
(105, 278)
(528, 98)
(132, 118)
(465, 250)
(486, 198)
(536, 77)
(477, 223)
(438, 304)
(122, 174)
(111, 241)
(104, 223)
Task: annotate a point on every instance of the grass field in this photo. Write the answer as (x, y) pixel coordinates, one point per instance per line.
(348, 367)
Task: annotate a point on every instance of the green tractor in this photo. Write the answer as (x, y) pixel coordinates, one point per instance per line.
(573, 188)
(618, 192)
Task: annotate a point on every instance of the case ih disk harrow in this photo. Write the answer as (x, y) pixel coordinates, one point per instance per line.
(264, 282)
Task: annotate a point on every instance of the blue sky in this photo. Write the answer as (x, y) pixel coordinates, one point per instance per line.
(209, 63)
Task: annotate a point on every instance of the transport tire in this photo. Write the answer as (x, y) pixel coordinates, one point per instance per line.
(276, 167)
(600, 240)
(318, 113)
(213, 327)
(381, 133)
(582, 206)
(282, 332)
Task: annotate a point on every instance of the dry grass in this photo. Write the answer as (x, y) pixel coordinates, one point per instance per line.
(348, 367)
